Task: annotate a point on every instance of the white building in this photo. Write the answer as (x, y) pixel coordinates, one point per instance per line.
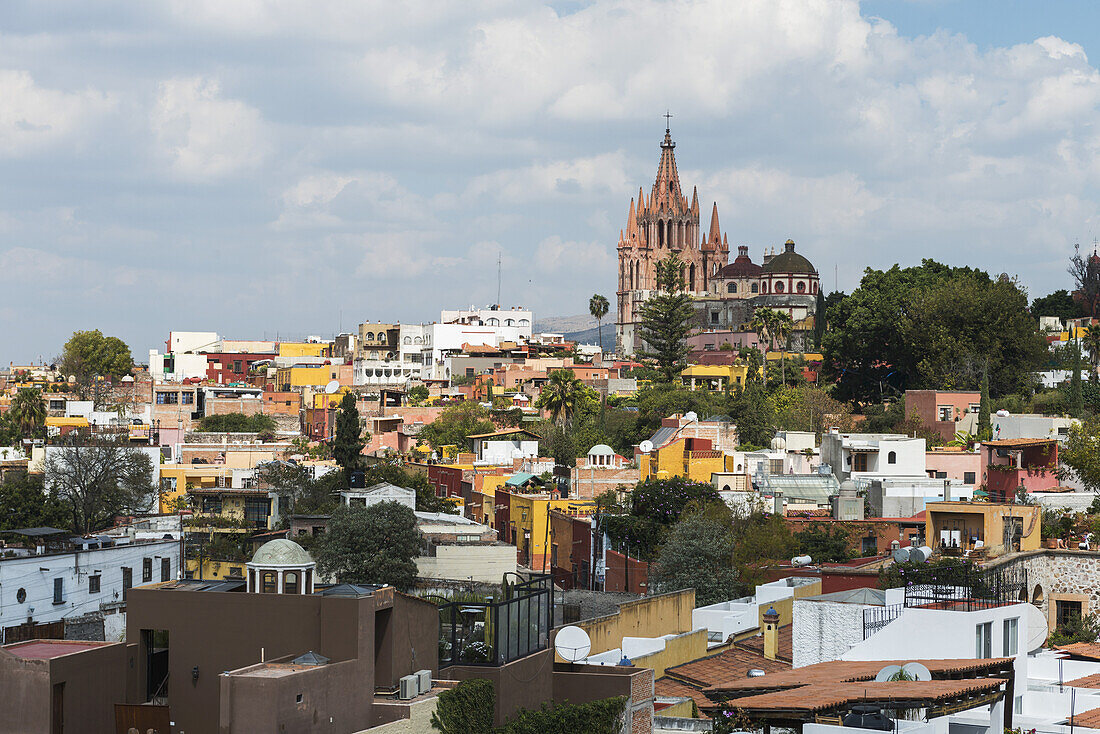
(857, 455)
(515, 320)
(728, 618)
(460, 549)
(381, 492)
(500, 448)
(54, 586)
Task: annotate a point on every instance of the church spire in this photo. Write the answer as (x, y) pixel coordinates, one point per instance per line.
(666, 189)
(714, 238)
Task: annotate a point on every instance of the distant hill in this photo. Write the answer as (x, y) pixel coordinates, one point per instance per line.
(581, 329)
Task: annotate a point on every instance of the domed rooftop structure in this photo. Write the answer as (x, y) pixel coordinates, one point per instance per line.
(602, 449)
(779, 444)
(741, 267)
(281, 552)
(789, 261)
(281, 567)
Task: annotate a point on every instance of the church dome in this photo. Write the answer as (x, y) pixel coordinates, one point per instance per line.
(789, 261)
(281, 552)
(741, 267)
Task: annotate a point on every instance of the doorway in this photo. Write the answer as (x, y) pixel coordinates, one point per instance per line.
(156, 665)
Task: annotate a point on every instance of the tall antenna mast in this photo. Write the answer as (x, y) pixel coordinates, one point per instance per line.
(498, 278)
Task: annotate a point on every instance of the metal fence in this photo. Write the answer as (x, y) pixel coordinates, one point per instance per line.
(966, 587)
(493, 633)
(875, 618)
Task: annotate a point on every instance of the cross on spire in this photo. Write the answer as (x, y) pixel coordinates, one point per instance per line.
(667, 116)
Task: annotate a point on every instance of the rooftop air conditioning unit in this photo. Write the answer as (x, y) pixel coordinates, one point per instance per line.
(425, 678)
(409, 686)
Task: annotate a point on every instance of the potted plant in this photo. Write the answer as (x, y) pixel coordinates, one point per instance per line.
(1048, 528)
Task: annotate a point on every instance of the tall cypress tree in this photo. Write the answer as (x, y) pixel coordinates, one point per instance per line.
(985, 428)
(667, 320)
(819, 319)
(347, 444)
(1076, 398)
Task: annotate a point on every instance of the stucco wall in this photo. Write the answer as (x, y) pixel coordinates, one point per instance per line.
(486, 563)
(825, 630)
(652, 616)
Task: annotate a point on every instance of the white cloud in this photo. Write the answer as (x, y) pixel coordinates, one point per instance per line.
(204, 135)
(556, 255)
(33, 117)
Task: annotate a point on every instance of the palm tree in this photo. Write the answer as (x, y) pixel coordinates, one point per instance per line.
(28, 410)
(597, 306)
(762, 323)
(561, 395)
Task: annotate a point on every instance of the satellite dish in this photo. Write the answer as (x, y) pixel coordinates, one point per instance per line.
(645, 446)
(887, 673)
(332, 387)
(916, 671)
(901, 555)
(691, 415)
(572, 644)
(1037, 629)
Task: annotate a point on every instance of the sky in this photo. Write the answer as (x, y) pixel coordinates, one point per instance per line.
(275, 169)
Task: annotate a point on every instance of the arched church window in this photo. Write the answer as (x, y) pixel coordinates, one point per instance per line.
(660, 233)
(801, 287)
(731, 288)
(779, 287)
(755, 288)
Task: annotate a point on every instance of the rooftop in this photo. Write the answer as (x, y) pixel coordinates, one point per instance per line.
(50, 649)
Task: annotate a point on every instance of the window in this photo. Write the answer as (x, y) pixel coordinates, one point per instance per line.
(941, 475)
(268, 586)
(21, 595)
(779, 287)
(755, 288)
(168, 398)
(859, 462)
(165, 569)
(870, 545)
(290, 582)
(945, 412)
(212, 505)
(714, 317)
(59, 591)
(975, 407)
(187, 398)
(731, 288)
(983, 640)
(298, 698)
(256, 509)
(1010, 638)
(146, 570)
(1066, 610)
(237, 366)
(801, 287)
(775, 466)
(127, 580)
(94, 584)
(968, 477)
(892, 457)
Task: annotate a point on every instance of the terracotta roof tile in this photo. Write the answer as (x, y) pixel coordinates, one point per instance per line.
(736, 662)
(1088, 681)
(1089, 719)
(786, 644)
(676, 689)
(814, 698)
(1086, 650)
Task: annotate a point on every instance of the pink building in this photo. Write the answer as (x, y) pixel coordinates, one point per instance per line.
(1009, 464)
(940, 410)
(954, 463)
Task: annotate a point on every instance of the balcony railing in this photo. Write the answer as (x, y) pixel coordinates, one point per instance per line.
(493, 633)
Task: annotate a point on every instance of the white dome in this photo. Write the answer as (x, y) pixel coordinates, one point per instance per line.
(281, 552)
(601, 449)
(779, 443)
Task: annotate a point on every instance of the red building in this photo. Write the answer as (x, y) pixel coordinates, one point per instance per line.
(222, 367)
(1011, 464)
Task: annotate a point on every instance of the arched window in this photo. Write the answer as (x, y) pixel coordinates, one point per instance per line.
(755, 288)
(370, 336)
(763, 287)
(731, 288)
(493, 322)
(290, 582)
(418, 340)
(269, 584)
(801, 287)
(892, 457)
(524, 322)
(670, 241)
(779, 287)
(408, 340)
(691, 277)
(509, 322)
(813, 288)
(660, 233)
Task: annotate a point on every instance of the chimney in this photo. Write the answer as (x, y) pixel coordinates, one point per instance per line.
(771, 634)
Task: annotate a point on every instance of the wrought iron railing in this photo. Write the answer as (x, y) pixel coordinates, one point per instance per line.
(966, 587)
(875, 618)
(493, 633)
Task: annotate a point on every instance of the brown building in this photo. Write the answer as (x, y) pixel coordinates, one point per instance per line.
(940, 410)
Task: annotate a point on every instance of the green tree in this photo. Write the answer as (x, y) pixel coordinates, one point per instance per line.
(89, 355)
(751, 412)
(456, 423)
(562, 396)
(1086, 277)
(238, 423)
(98, 480)
(370, 545)
(1075, 629)
(298, 491)
(825, 543)
(985, 426)
(931, 326)
(468, 708)
(666, 320)
(1076, 398)
(1081, 454)
(347, 444)
(820, 320)
(604, 716)
(28, 411)
(698, 553)
(24, 503)
(1059, 304)
(598, 306)
(1092, 343)
(418, 394)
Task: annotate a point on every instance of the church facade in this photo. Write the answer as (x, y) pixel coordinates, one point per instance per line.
(725, 293)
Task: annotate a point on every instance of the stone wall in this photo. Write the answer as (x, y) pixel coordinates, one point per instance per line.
(85, 627)
(1058, 574)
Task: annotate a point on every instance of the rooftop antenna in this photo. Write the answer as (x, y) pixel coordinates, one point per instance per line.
(498, 279)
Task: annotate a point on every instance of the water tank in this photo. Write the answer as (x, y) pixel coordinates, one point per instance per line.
(801, 561)
(902, 555)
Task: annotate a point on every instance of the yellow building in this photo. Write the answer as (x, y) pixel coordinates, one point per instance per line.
(690, 458)
(714, 376)
(999, 528)
(303, 349)
(176, 479)
(529, 525)
(288, 378)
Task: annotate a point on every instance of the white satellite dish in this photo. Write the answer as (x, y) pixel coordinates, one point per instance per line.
(691, 415)
(887, 673)
(916, 671)
(572, 644)
(645, 446)
(1037, 629)
(332, 387)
